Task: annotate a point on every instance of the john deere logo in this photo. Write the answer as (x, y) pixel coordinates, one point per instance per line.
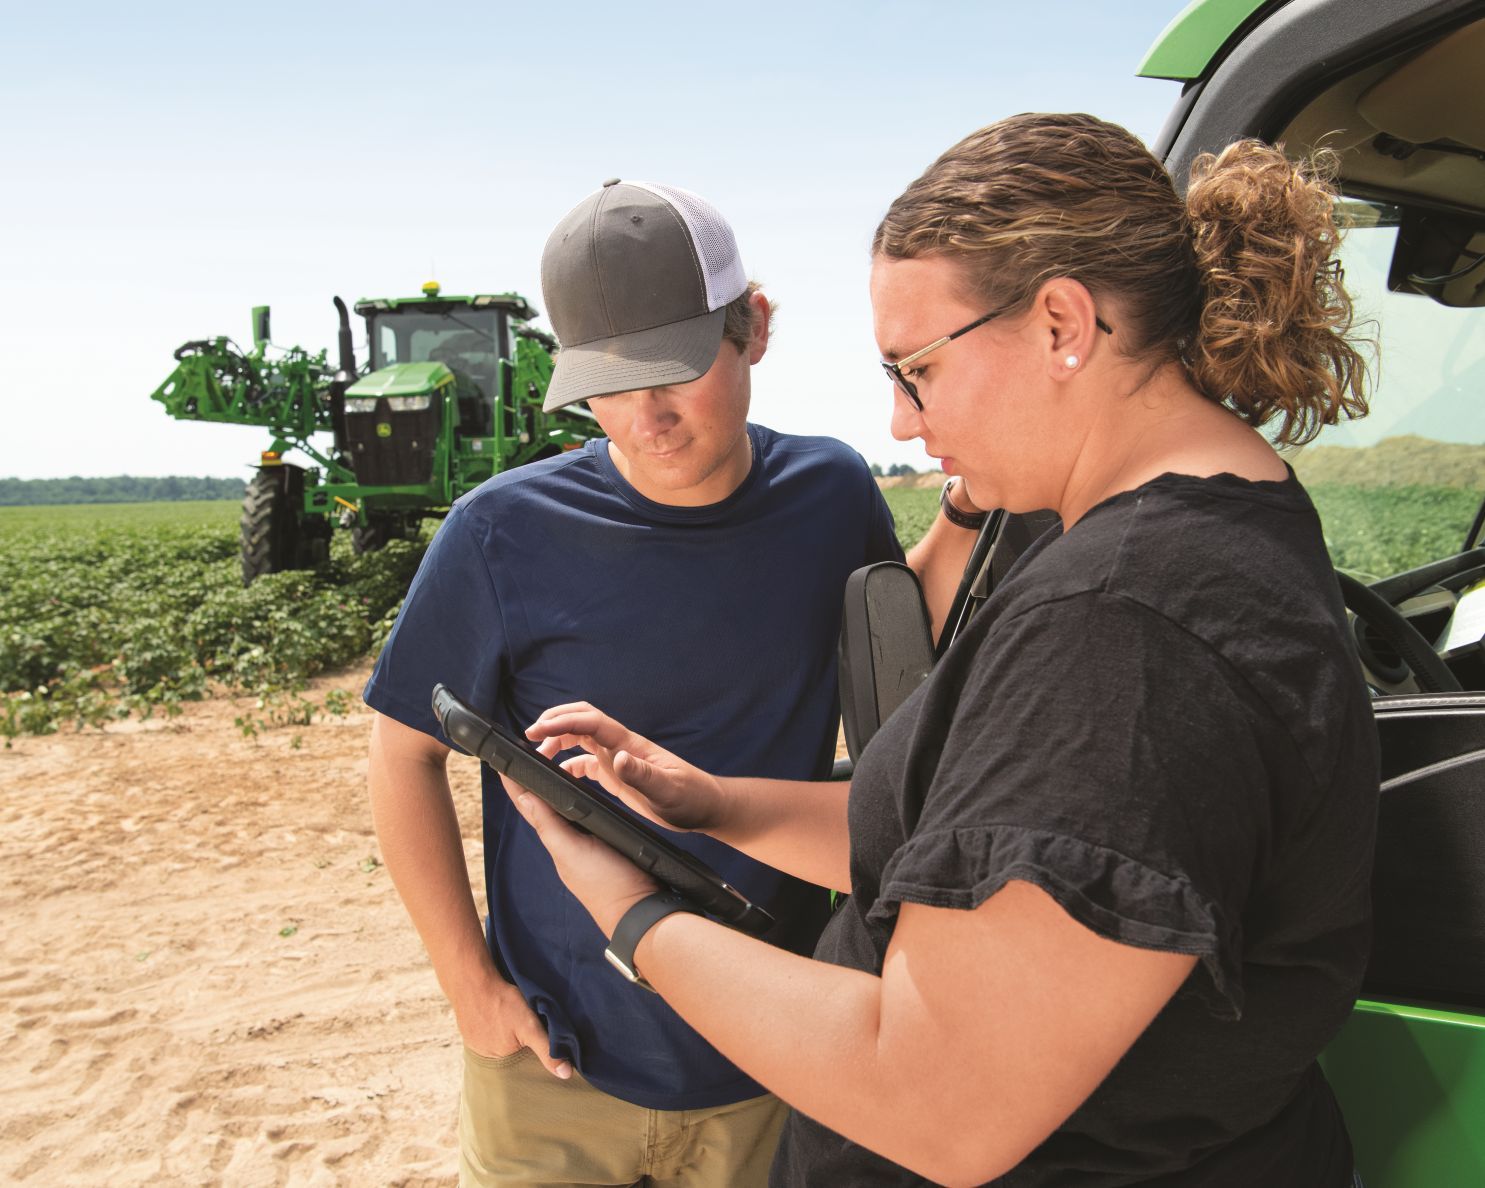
(383, 429)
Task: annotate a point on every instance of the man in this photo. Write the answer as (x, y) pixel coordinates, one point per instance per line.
(685, 574)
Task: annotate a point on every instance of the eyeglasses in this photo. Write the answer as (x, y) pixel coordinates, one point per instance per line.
(910, 389)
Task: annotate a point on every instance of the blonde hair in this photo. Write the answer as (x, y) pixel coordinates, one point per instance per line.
(1236, 282)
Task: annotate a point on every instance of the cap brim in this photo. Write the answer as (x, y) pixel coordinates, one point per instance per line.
(672, 354)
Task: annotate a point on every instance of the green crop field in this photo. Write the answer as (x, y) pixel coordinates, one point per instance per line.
(1375, 531)
(913, 509)
(1369, 529)
(73, 519)
(108, 610)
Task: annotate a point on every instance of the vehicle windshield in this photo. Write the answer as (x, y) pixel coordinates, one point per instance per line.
(1401, 486)
(462, 339)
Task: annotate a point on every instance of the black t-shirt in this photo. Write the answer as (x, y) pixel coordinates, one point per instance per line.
(1158, 720)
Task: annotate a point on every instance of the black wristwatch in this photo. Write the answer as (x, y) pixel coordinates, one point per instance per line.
(963, 519)
(637, 921)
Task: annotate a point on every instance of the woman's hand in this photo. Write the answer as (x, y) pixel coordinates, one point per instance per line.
(603, 880)
(648, 778)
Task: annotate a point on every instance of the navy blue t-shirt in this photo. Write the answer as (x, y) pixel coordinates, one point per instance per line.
(711, 630)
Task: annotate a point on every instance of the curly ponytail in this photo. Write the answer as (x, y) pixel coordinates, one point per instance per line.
(1236, 284)
(1273, 336)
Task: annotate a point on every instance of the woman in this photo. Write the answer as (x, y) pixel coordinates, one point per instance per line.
(1108, 867)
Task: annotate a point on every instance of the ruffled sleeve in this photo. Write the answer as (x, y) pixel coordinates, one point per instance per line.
(1109, 893)
(1103, 754)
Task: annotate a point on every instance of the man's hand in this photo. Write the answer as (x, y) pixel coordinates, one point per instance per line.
(495, 1021)
(648, 778)
(419, 834)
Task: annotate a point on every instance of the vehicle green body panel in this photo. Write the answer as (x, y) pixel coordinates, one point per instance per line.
(1411, 1084)
(402, 379)
(1189, 43)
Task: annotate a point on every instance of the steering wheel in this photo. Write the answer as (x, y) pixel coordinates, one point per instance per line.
(1432, 674)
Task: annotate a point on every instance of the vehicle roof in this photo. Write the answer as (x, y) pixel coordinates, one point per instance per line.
(513, 303)
(1188, 44)
(1408, 126)
(1386, 87)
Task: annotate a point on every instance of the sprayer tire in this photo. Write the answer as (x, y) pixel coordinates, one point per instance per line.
(270, 525)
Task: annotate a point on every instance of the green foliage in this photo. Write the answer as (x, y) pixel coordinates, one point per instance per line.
(1383, 530)
(1403, 461)
(119, 488)
(64, 521)
(913, 509)
(101, 618)
(112, 611)
(1375, 530)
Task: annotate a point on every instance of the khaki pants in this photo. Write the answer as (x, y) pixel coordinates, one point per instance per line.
(519, 1125)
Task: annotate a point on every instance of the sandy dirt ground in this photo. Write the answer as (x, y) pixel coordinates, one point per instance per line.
(208, 977)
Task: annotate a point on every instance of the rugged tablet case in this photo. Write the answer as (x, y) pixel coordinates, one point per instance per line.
(598, 814)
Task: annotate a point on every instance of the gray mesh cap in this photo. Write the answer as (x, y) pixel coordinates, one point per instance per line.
(635, 280)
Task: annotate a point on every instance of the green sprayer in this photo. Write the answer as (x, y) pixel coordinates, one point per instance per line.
(450, 396)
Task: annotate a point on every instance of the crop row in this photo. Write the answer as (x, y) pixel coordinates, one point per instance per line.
(103, 618)
(1370, 530)
(132, 610)
(1375, 531)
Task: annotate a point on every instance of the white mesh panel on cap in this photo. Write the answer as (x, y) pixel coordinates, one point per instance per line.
(715, 246)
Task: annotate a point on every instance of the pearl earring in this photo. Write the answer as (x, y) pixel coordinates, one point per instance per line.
(1072, 361)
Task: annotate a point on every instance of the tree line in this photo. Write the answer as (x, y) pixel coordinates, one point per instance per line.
(125, 488)
(120, 488)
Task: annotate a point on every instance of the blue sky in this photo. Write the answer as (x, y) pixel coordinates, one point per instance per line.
(170, 166)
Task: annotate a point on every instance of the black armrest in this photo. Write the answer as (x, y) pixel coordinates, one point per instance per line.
(886, 648)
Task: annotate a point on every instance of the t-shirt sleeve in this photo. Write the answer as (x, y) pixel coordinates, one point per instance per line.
(449, 631)
(1100, 752)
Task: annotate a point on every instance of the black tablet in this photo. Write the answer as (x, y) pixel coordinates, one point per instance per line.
(597, 814)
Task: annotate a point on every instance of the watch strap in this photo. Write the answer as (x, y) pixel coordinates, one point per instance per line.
(961, 519)
(633, 925)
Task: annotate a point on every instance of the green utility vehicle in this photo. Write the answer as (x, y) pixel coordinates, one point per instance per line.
(451, 395)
